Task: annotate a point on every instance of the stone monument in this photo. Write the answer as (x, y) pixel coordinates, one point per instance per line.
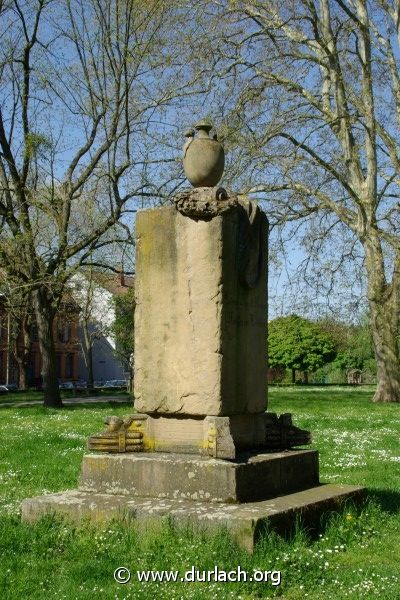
(200, 446)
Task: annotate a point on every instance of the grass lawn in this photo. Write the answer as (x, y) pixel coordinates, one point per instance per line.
(356, 556)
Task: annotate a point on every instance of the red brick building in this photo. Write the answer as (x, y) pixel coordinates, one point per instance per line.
(66, 342)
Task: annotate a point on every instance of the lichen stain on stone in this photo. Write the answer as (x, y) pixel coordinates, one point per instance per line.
(97, 463)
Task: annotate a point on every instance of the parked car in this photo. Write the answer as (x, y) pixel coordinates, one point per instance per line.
(12, 387)
(8, 387)
(66, 385)
(116, 383)
(81, 385)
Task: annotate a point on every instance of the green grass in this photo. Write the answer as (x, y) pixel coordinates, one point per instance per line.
(37, 396)
(355, 556)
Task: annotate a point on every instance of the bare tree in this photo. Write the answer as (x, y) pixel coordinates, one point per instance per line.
(310, 95)
(84, 85)
(19, 308)
(18, 313)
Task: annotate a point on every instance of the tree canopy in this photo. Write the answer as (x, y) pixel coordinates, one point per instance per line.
(298, 344)
(353, 343)
(123, 327)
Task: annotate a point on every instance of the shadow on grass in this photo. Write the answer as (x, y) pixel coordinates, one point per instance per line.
(388, 500)
(314, 522)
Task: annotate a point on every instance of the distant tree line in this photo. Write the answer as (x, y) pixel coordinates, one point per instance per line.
(325, 351)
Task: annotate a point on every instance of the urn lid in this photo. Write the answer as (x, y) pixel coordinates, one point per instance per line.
(204, 125)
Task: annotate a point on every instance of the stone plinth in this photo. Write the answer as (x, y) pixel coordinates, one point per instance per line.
(178, 476)
(246, 522)
(201, 313)
(219, 437)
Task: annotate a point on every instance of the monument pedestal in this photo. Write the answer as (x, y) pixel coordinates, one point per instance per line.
(245, 495)
(179, 476)
(198, 449)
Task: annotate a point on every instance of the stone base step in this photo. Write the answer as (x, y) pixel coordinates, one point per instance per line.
(249, 478)
(245, 521)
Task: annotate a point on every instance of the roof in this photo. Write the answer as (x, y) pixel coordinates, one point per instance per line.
(117, 284)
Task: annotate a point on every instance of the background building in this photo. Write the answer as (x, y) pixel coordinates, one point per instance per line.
(96, 293)
(84, 334)
(12, 345)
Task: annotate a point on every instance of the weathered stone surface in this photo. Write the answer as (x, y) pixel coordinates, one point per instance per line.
(159, 475)
(204, 202)
(201, 313)
(203, 157)
(245, 522)
(220, 437)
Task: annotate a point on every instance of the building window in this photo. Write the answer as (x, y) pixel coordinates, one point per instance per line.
(3, 329)
(30, 372)
(58, 359)
(14, 330)
(69, 366)
(64, 332)
(14, 371)
(34, 333)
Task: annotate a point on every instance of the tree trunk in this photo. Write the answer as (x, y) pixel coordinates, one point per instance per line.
(21, 372)
(44, 319)
(22, 379)
(384, 333)
(384, 307)
(293, 375)
(305, 377)
(8, 349)
(21, 353)
(87, 347)
(131, 374)
(89, 357)
(90, 369)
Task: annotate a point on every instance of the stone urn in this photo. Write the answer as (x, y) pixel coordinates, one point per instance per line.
(203, 157)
